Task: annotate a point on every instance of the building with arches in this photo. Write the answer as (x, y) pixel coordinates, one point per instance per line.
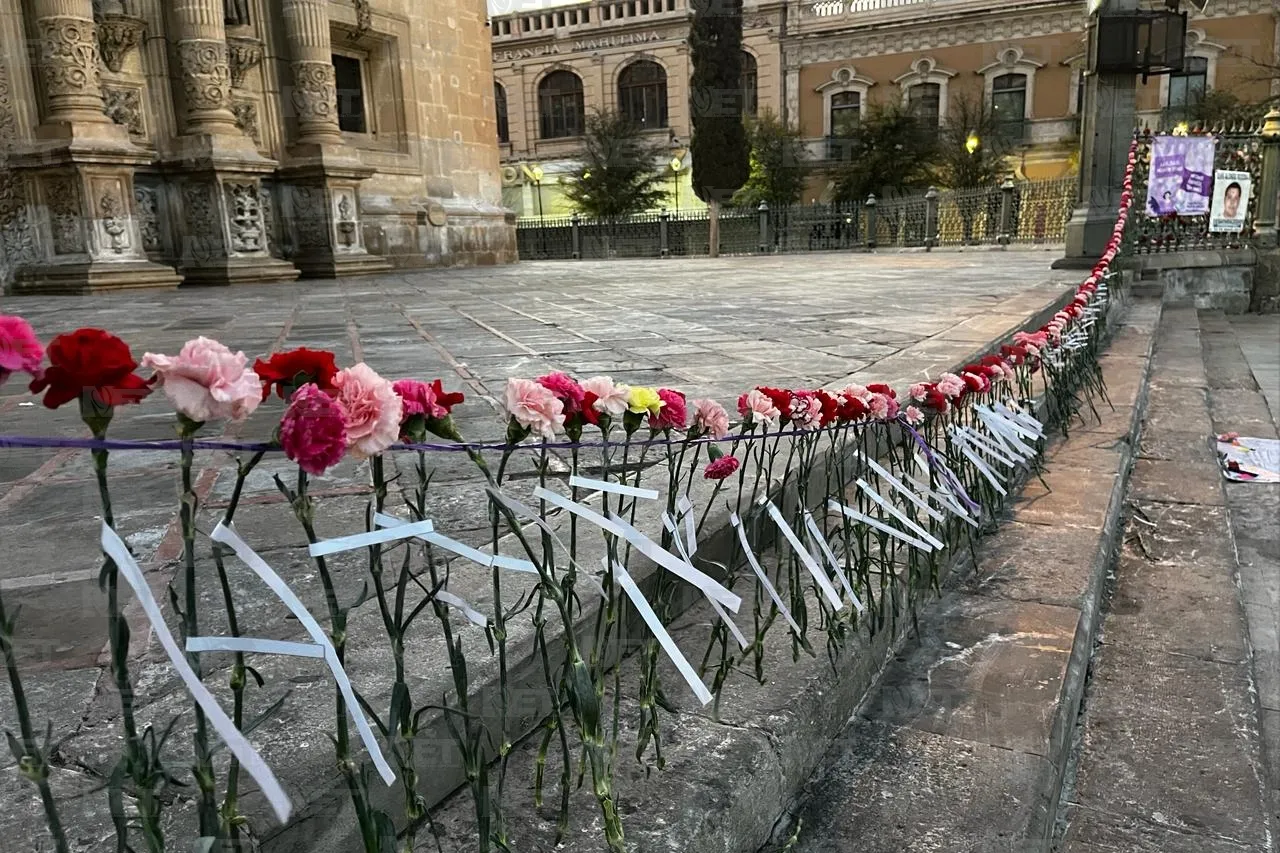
(822, 64)
(150, 142)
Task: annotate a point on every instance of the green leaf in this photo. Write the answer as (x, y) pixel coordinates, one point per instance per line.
(15, 746)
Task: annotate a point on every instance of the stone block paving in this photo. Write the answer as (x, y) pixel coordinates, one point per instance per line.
(709, 328)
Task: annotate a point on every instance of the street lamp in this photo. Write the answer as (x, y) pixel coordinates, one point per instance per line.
(971, 144)
(676, 164)
(536, 174)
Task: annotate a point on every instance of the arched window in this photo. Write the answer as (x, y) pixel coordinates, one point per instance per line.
(1009, 105)
(500, 108)
(642, 94)
(560, 106)
(924, 100)
(846, 113)
(750, 85)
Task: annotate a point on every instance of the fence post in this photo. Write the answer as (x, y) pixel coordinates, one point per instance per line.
(765, 242)
(1265, 222)
(930, 219)
(664, 248)
(871, 221)
(1006, 213)
(574, 222)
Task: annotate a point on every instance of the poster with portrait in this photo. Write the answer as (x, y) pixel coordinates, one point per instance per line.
(1230, 201)
(1181, 176)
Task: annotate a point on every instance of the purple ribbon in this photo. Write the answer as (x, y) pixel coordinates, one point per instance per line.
(952, 483)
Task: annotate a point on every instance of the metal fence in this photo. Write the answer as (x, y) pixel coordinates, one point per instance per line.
(1238, 149)
(1028, 212)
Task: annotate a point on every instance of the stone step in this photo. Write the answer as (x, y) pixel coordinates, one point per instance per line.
(1170, 754)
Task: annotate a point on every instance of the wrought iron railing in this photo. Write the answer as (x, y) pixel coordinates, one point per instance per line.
(1239, 149)
(1034, 212)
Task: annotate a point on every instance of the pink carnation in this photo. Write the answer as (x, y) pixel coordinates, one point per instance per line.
(918, 392)
(20, 349)
(674, 414)
(206, 381)
(711, 418)
(418, 398)
(612, 400)
(915, 417)
(534, 407)
(859, 392)
(313, 431)
(567, 391)
(879, 406)
(806, 410)
(951, 386)
(758, 407)
(372, 410)
(722, 468)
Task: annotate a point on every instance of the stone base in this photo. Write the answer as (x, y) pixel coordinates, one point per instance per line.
(341, 266)
(229, 271)
(1265, 298)
(95, 277)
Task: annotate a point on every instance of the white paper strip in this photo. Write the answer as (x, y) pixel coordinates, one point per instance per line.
(228, 536)
(824, 583)
(854, 515)
(685, 507)
(113, 546)
(614, 488)
(528, 514)
(254, 645)
(1011, 432)
(946, 500)
(815, 533)
(615, 525)
(760, 574)
(462, 550)
(474, 616)
(898, 485)
(684, 553)
(664, 639)
(888, 507)
(1031, 427)
(373, 537)
(992, 478)
(980, 442)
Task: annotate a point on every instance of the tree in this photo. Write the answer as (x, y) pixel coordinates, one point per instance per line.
(778, 167)
(617, 176)
(1221, 108)
(972, 151)
(891, 154)
(721, 162)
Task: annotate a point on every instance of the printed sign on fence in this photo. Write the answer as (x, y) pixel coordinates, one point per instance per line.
(1181, 175)
(1230, 201)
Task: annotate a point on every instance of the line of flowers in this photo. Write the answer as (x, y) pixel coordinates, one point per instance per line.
(782, 435)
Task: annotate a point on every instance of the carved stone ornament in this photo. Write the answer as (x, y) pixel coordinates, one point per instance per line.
(246, 113)
(8, 118)
(115, 223)
(68, 56)
(147, 202)
(63, 196)
(244, 203)
(245, 55)
(315, 91)
(206, 75)
(118, 35)
(204, 230)
(346, 220)
(309, 217)
(123, 105)
(16, 237)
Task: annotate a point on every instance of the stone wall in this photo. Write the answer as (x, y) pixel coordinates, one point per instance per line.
(1213, 280)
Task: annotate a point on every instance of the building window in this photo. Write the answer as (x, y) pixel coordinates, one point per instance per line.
(1009, 105)
(750, 85)
(846, 111)
(1187, 87)
(349, 78)
(500, 107)
(924, 100)
(1079, 93)
(642, 94)
(560, 106)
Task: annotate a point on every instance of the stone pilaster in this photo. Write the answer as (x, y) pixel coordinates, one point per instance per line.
(201, 45)
(315, 92)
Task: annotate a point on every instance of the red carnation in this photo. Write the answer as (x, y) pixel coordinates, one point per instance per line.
(830, 406)
(781, 398)
(589, 413)
(289, 371)
(446, 399)
(936, 400)
(880, 388)
(94, 367)
(851, 408)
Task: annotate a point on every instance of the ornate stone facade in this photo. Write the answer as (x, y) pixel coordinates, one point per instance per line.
(162, 146)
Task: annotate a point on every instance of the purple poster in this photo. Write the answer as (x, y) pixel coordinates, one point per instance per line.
(1181, 179)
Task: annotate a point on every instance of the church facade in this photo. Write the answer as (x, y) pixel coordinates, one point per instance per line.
(147, 143)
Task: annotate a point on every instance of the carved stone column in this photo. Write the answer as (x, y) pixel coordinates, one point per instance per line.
(67, 62)
(315, 92)
(201, 47)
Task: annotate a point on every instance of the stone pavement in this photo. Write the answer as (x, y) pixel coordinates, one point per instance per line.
(1179, 748)
(710, 328)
